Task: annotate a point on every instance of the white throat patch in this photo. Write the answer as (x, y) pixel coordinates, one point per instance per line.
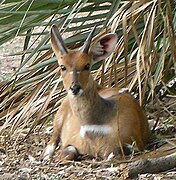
(70, 94)
(95, 129)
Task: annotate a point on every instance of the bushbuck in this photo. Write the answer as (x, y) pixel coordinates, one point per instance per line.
(92, 120)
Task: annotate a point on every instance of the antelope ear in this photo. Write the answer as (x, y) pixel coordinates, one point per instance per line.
(57, 42)
(103, 47)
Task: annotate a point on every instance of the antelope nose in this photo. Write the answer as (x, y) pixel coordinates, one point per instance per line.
(75, 88)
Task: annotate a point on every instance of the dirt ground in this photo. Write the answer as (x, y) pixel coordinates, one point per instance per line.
(20, 159)
(8, 62)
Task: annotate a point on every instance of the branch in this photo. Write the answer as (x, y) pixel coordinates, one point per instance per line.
(152, 165)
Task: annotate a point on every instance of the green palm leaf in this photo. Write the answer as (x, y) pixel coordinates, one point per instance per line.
(144, 52)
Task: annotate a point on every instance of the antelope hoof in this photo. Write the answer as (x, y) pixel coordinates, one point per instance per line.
(48, 152)
(69, 153)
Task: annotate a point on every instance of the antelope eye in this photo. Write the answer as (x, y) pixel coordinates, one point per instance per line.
(87, 67)
(63, 68)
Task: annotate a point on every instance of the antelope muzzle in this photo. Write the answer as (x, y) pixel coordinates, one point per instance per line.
(75, 88)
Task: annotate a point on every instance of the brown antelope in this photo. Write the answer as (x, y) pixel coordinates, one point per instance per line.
(91, 120)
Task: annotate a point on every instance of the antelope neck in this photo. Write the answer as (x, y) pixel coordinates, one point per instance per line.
(91, 108)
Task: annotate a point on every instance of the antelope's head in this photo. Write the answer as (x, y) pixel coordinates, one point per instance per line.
(76, 64)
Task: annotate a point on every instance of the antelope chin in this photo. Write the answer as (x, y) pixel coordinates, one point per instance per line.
(71, 94)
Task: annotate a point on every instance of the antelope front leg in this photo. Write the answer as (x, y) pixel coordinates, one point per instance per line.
(55, 138)
(69, 153)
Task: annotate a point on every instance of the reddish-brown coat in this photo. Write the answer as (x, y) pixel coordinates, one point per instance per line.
(114, 115)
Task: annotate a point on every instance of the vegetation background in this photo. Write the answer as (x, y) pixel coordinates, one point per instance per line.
(144, 60)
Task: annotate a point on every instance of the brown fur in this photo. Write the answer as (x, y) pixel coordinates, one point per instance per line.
(127, 119)
(95, 106)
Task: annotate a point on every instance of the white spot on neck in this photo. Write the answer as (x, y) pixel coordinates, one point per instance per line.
(95, 129)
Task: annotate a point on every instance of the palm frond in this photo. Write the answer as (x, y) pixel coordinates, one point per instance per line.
(142, 60)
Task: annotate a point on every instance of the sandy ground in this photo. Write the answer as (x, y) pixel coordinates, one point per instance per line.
(8, 62)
